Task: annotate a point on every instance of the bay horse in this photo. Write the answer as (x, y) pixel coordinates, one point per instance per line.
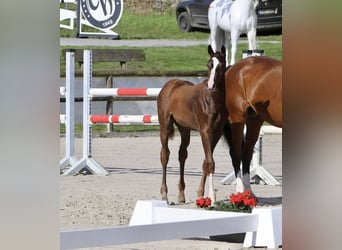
(253, 95)
(228, 19)
(193, 107)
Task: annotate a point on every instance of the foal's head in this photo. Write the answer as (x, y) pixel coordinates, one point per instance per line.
(216, 66)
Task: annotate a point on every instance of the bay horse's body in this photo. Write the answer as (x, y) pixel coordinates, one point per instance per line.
(228, 19)
(253, 95)
(193, 107)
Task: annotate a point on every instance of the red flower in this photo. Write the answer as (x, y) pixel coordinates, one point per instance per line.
(252, 202)
(207, 202)
(247, 193)
(244, 198)
(203, 202)
(236, 198)
(200, 202)
(246, 202)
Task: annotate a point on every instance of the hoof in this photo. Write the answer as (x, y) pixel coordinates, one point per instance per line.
(164, 198)
(181, 199)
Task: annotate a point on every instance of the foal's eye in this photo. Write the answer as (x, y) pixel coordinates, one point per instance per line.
(210, 64)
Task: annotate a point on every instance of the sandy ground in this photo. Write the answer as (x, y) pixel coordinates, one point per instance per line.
(89, 201)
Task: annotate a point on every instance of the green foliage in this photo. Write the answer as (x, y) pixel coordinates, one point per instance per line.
(226, 206)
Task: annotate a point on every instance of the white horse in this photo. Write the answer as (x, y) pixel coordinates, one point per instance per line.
(228, 19)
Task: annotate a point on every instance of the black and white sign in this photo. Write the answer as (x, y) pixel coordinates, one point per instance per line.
(100, 14)
(103, 14)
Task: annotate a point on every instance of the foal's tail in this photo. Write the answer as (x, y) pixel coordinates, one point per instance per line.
(171, 132)
(171, 128)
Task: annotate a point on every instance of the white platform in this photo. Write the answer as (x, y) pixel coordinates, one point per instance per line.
(153, 220)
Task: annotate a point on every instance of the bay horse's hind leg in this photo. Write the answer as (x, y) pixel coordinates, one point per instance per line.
(166, 131)
(253, 125)
(236, 152)
(182, 156)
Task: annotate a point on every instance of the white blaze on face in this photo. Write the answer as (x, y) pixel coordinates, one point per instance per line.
(212, 73)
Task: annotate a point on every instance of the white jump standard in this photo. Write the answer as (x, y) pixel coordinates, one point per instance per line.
(87, 160)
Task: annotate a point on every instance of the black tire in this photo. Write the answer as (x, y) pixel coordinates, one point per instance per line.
(184, 23)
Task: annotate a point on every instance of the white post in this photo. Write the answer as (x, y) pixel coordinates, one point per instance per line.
(269, 231)
(87, 160)
(69, 158)
(257, 171)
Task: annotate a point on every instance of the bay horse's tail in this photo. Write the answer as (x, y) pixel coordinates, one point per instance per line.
(227, 134)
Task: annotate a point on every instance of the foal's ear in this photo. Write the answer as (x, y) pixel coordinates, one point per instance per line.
(210, 50)
(223, 50)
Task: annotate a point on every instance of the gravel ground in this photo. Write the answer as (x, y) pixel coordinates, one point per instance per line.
(88, 201)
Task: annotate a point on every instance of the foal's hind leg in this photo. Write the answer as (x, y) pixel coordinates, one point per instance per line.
(166, 131)
(182, 155)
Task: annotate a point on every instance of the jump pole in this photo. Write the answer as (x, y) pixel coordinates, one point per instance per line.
(87, 160)
(69, 94)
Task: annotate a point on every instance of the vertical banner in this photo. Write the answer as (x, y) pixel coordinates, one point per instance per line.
(101, 15)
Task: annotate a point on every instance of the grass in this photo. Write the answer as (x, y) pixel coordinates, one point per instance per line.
(190, 58)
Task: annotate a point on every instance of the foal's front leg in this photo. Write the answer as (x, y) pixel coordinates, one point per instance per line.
(208, 166)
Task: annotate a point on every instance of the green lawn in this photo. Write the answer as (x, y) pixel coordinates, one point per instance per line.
(190, 58)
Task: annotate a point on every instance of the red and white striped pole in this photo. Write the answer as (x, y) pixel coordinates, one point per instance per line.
(137, 119)
(122, 92)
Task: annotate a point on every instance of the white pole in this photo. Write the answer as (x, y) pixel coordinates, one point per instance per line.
(69, 93)
(87, 79)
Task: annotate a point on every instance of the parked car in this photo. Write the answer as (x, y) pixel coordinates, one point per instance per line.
(193, 14)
